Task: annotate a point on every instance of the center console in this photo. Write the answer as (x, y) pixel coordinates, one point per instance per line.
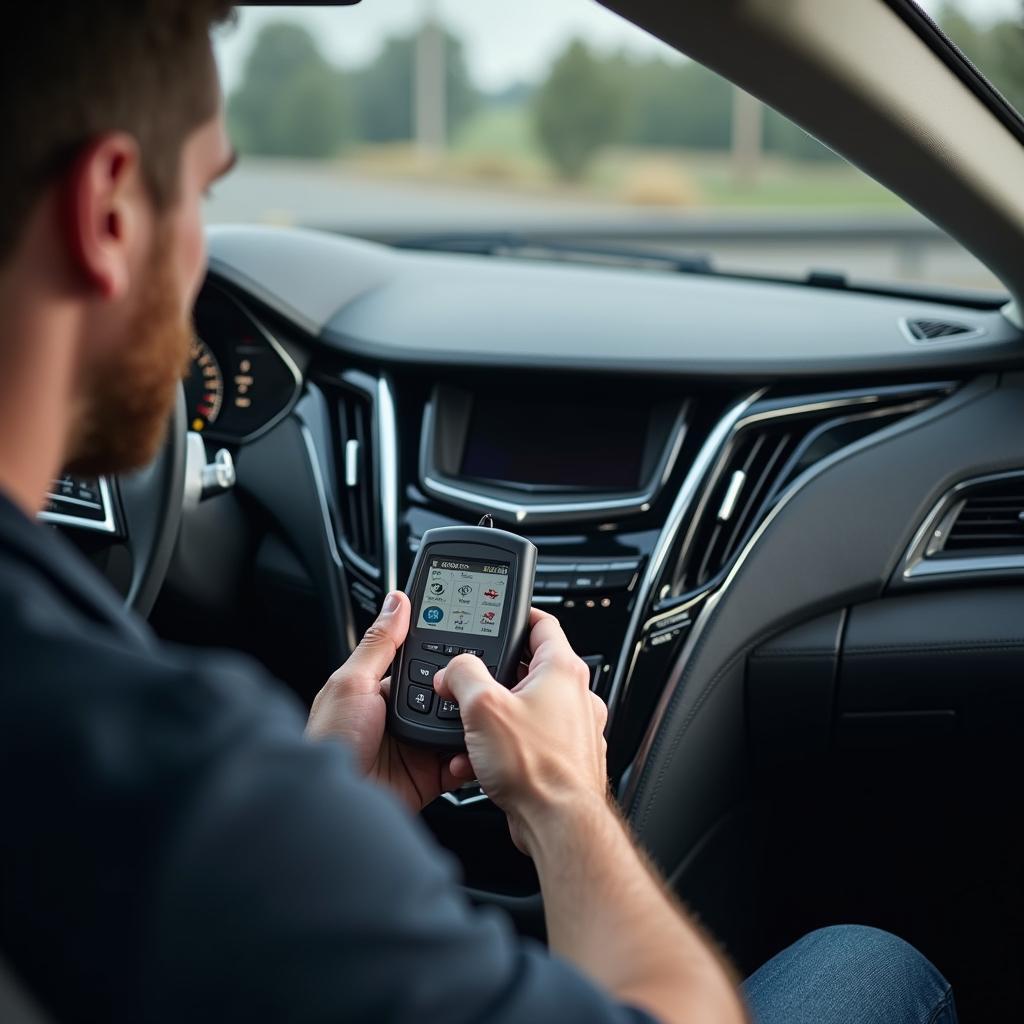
(640, 496)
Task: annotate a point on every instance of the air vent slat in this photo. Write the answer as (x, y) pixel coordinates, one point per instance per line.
(925, 329)
(988, 518)
(982, 539)
(772, 459)
(992, 516)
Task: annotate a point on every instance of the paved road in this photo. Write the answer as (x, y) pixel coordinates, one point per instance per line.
(890, 247)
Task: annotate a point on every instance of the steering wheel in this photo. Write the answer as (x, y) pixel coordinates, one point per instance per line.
(152, 500)
(134, 545)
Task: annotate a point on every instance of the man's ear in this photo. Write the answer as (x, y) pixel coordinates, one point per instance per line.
(104, 212)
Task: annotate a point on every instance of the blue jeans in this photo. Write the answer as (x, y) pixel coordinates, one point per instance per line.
(849, 975)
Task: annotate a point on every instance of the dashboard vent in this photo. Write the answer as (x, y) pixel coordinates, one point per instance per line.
(991, 517)
(358, 485)
(777, 442)
(921, 329)
(741, 491)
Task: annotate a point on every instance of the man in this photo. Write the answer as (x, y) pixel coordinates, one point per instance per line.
(173, 847)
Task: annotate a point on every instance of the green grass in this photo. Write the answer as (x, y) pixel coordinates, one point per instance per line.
(795, 185)
(498, 130)
(497, 147)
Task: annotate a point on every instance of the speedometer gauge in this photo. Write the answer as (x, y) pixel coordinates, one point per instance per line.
(204, 387)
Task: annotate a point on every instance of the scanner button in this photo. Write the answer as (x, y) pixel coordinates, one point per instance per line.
(421, 672)
(451, 650)
(448, 710)
(433, 648)
(420, 700)
(476, 651)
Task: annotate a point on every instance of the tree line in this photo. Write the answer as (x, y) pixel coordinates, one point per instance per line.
(292, 101)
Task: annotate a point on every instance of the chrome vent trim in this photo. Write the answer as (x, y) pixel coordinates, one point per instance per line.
(366, 443)
(688, 493)
(387, 443)
(767, 449)
(925, 560)
(358, 504)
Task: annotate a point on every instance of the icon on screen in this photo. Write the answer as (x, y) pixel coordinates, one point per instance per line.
(490, 594)
(437, 589)
(465, 590)
(433, 614)
(488, 619)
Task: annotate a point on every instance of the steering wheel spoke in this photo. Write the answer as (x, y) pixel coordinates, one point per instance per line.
(81, 503)
(138, 513)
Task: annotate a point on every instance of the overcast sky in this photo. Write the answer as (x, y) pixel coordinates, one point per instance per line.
(506, 40)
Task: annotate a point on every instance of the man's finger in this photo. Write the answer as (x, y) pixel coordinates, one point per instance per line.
(465, 680)
(460, 768)
(546, 632)
(372, 658)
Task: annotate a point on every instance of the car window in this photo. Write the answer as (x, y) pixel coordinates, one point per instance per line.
(408, 119)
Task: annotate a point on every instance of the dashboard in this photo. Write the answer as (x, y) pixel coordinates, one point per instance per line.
(755, 505)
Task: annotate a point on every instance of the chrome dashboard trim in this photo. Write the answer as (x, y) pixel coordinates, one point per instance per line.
(918, 565)
(325, 515)
(387, 439)
(845, 399)
(689, 489)
(537, 512)
(973, 566)
(321, 493)
(104, 525)
(376, 390)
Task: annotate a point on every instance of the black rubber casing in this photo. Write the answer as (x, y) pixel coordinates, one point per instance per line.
(501, 653)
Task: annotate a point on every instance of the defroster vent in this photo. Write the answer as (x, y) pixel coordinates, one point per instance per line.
(925, 329)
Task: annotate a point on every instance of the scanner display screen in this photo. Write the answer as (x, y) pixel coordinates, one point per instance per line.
(463, 596)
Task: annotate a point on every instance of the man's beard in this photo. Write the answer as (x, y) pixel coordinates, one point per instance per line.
(128, 401)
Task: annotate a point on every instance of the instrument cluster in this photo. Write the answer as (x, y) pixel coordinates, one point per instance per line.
(241, 381)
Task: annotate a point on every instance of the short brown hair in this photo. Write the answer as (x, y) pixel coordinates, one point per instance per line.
(71, 70)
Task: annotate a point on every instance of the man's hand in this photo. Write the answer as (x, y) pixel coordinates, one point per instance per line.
(539, 753)
(540, 746)
(353, 705)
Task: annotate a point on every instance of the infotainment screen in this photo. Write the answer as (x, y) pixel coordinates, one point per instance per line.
(561, 445)
(463, 596)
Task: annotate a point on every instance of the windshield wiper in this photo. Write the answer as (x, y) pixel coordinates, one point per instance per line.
(521, 247)
(516, 246)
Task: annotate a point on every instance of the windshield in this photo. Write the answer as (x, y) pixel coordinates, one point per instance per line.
(553, 120)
